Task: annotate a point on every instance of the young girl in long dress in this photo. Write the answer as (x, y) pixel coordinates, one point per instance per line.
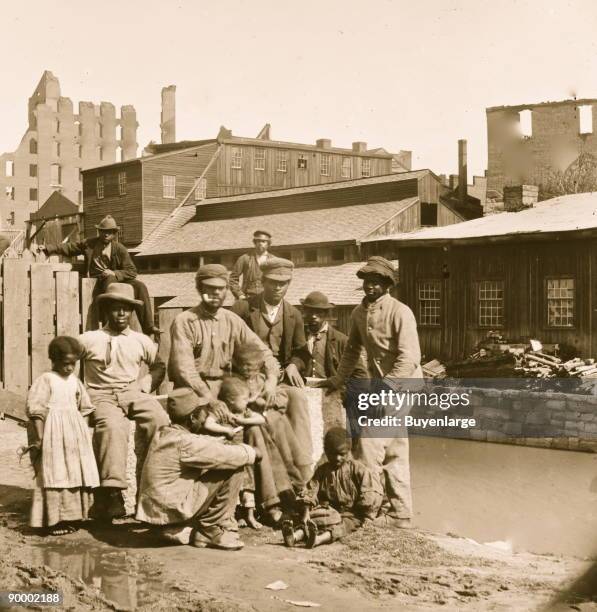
(66, 471)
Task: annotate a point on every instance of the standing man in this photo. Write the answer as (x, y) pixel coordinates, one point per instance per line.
(112, 357)
(387, 329)
(325, 343)
(280, 326)
(248, 266)
(109, 261)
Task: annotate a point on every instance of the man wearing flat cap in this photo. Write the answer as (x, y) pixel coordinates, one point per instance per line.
(248, 266)
(112, 358)
(191, 482)
(205, 338)
(280, 326)
(387, 330)
(109, 261)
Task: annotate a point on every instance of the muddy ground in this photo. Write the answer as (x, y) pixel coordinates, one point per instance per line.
(126, 567)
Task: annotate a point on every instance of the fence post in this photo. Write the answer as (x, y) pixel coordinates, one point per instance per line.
(42, 317)
(167, 315)
(68, 319)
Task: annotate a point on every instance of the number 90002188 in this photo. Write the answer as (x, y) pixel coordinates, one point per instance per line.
(27, 598)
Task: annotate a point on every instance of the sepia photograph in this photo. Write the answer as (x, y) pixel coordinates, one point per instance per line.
(298, 305)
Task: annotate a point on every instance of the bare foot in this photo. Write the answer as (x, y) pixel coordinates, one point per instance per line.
(252, 522)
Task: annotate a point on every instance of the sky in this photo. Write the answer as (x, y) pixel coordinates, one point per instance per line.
(415, 75)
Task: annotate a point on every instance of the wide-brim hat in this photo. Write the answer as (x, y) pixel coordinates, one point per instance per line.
(108, 223)
(120, 292)
(215, 275)
(277, 268)
(317, 300)
(182, 402)
(378, 265)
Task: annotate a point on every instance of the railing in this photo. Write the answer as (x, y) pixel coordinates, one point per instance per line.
(17, 243)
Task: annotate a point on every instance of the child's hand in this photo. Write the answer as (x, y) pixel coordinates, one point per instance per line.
(229, 433)
(305, 515)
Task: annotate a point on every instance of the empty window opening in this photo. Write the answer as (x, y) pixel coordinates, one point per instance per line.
(585, 116)
(56, 149)
(33, 146)
(119, 157)
(55, 175)
(33, 170)
(10, 193)
(119, 132)
(10, 168)
(78, 129)
(33, 195)
(79, 151)
(525, 118)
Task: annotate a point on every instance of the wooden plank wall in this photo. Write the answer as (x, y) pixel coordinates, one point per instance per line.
(166, 316)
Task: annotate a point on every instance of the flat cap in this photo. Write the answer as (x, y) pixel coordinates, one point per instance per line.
(258, 233)
(378, 265)
(215, 275)
(181, 402)
(277, 268)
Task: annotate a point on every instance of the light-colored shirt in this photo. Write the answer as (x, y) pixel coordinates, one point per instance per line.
(112, 360)
(203, 344)
(271, 311)
(387, 330)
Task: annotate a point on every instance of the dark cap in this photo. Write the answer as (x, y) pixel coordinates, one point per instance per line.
(215, 275)
(260, 233)
(277, 268)
(378, 265)
(317, 300)
(181, 402)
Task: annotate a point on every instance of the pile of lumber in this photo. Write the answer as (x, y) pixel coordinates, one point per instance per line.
(542, 365)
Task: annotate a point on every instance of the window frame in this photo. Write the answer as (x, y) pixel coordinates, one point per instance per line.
(260, 158)
(282, 161)
(302, 162)
(31, 190)
(166, 187)
(479, 301)
(325, 164)
(122, 183)
(344, 166)
(420, 316)
(100, 187)
(367, 161)
(32, 170)
(236, 158)
(574, 300)
(59, 181)
(200, 191)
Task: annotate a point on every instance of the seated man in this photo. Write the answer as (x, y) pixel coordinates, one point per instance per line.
(112, 357)
(109, 262)
(190, 481)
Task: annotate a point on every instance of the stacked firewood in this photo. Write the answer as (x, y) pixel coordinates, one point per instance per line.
(541, 365)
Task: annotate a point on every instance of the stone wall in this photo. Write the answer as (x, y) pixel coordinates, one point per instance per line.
(547, 420)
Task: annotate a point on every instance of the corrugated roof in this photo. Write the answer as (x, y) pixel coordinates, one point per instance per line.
(563, 214)
(179, 234)
(339, 283)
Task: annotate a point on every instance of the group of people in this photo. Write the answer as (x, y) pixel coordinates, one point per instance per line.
(233, 444)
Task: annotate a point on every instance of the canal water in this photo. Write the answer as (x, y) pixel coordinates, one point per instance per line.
(533, 499)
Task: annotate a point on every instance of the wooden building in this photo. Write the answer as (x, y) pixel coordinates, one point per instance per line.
(527, 274)
(56, 221)
(140, 193)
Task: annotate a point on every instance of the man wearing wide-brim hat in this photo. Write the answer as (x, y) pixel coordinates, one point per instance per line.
(387, 330)
(112, 358)
(109, 261)
(249, 265)
(326, 344)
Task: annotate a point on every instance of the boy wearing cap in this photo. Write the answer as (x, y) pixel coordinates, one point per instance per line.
(387, 330)
(248, 266)
(109, 261)
(190, 481)
(112, 357)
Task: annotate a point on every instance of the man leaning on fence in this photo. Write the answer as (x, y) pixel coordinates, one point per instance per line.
(109, 262)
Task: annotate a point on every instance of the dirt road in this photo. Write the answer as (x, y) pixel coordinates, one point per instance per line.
(126, 567)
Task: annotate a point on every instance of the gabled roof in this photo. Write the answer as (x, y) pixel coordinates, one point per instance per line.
(339, 283)
(181, 234)
(56, 205)
(570, 213)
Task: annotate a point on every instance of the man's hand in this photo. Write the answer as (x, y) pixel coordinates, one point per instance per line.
(269, 392)
(293, 376)
(326, 384)
(258, 454)
(107, 273)
(219, 410)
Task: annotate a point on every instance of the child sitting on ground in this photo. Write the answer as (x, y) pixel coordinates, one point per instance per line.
(236, 395)
(62, 453)
(342, 495)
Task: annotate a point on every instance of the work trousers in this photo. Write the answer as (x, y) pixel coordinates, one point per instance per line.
(388, 459)
(113, 409)
(223, 488)
(297, 413)
(144, 312)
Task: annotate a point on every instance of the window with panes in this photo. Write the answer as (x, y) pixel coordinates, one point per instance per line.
(490, 299)
(560, 302)
(429, 294)
(168, 186)
(259, 159)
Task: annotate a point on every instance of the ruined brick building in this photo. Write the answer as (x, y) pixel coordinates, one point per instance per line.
(527, 142)
(58, 144)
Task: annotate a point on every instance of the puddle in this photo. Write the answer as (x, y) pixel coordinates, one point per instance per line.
(127, 580)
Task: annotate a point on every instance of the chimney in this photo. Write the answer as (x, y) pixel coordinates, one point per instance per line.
(168, 117)
(323, 143)
(519, 197)
(462, 172)
(359, 147)
(453, 184)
